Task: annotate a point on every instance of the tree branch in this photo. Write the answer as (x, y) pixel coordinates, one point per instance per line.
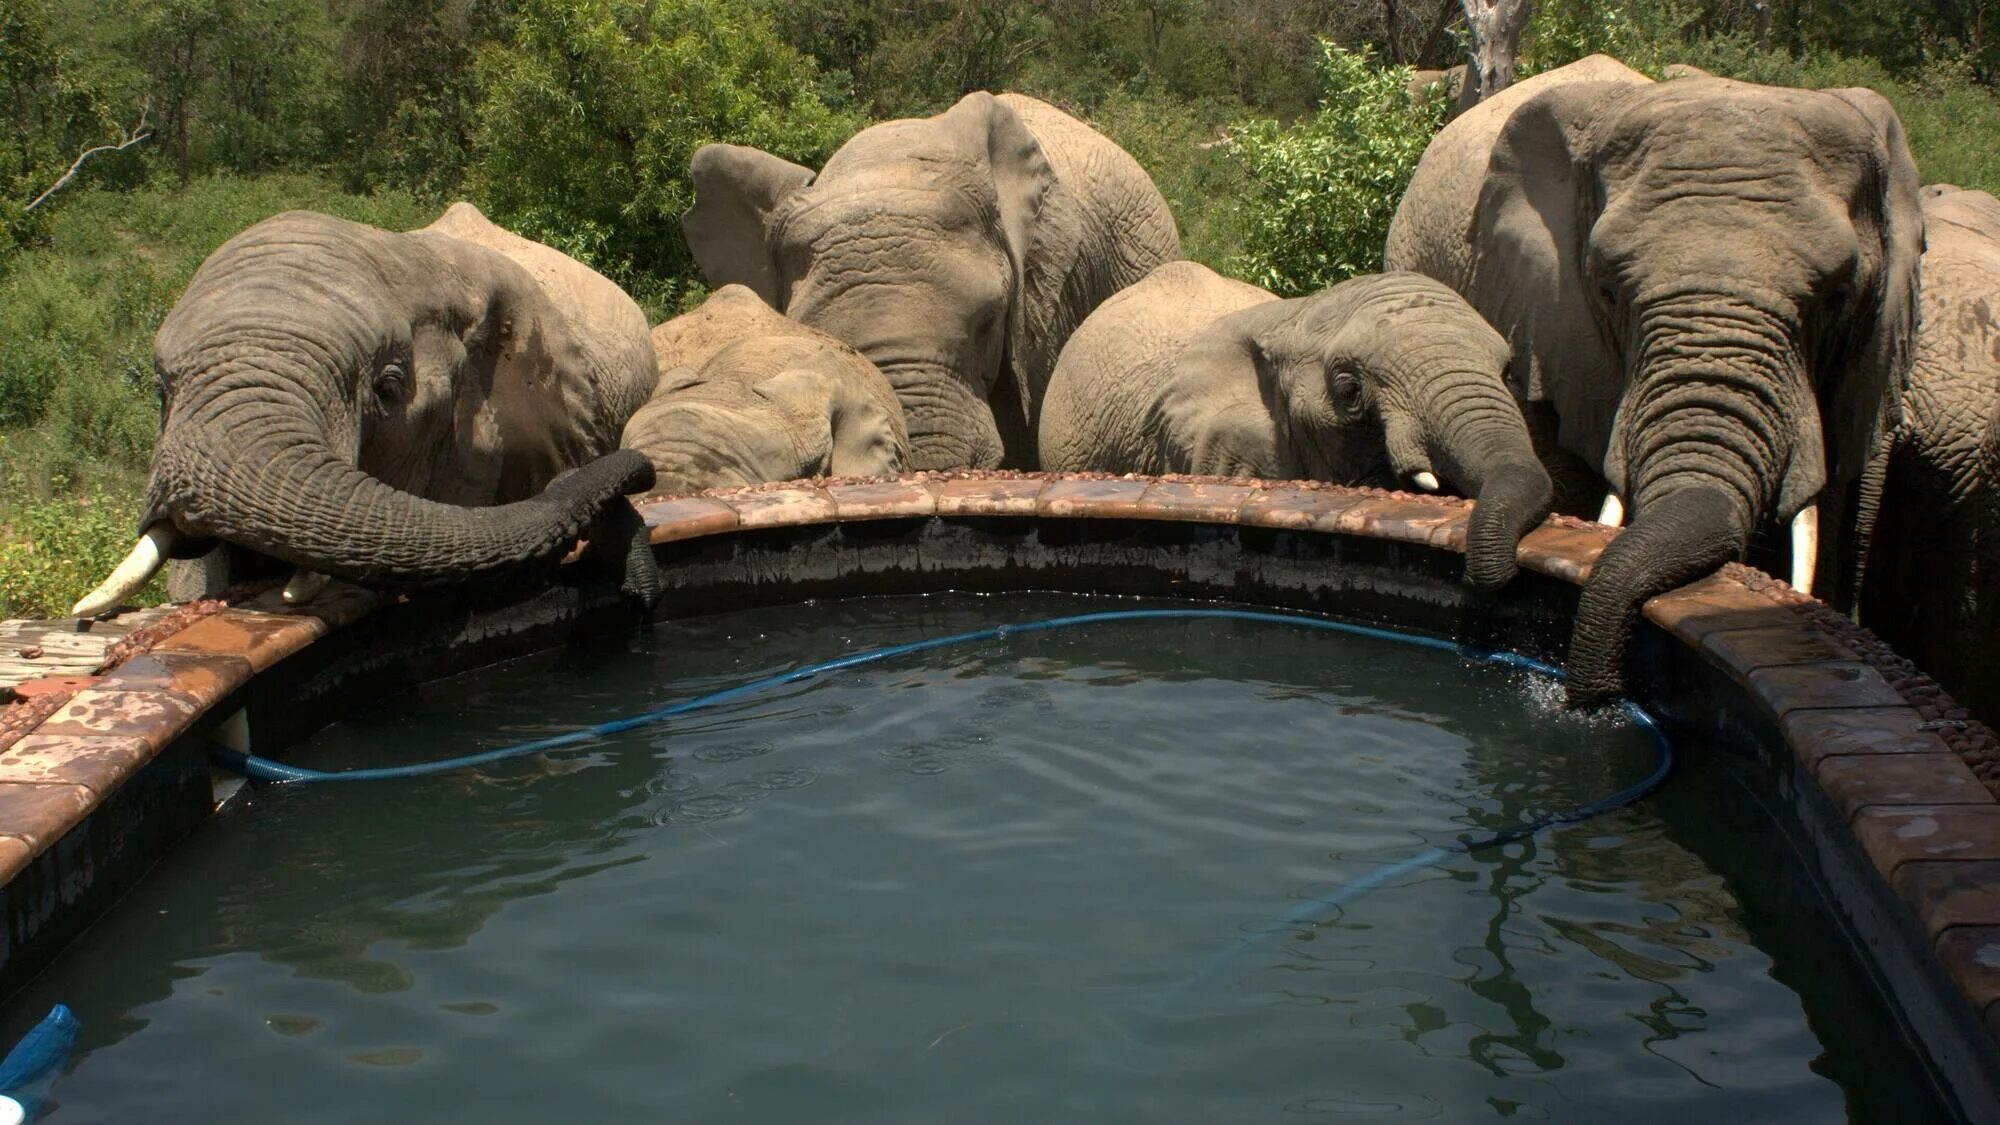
(137, 133)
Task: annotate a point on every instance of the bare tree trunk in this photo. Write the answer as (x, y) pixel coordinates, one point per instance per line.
(1496, 27)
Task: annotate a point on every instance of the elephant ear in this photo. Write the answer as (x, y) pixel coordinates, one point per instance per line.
(1874, 358)
(1041, 235)
(735, 191)
(1531, 230)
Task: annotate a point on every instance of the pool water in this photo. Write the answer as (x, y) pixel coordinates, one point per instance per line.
(1035, 879)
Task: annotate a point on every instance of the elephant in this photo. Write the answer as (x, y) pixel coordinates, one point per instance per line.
(1383, 379)
(956, 252)
(402, 410)
(1932, 586)
(1710, 289)
(746, 396)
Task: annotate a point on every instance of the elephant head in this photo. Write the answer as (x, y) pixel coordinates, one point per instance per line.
(395, 409)
(746, 396)
(1712, 287)
(1393, 379)
(955, 252)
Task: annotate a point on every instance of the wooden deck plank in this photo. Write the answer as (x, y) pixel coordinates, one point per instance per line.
(33, 649)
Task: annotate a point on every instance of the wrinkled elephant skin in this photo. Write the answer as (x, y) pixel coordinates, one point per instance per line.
(956, 252)
(747, 396)
(1710, 292)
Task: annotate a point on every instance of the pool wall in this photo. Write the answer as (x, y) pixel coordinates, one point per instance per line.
(1885, 787)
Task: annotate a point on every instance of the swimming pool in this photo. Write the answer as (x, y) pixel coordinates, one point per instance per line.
(1038, 878)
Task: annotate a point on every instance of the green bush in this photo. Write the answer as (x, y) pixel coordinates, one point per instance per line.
(1324, 190)
(589, 115)
(55, 550)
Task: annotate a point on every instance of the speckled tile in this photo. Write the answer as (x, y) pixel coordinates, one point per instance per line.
(781, 507)
(1780, 638)
(890, 499)
(1714, 603)
(1403, 521)
(15, 855)
(200, 679)
(1562, 552)
(38, 815)
(1838, 683)
(1200, 503)
(153, 717)
(1945, 893)
(262, 639)
(1895, 835)
(1858, 781)
(99, 764)
(1814, 735)
(1298, 509)
(1971, 954)
(1095, 499)
(687, 517)
(975, 497)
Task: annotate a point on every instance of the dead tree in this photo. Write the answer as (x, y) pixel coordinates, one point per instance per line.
(1495, 26)
(137, 133)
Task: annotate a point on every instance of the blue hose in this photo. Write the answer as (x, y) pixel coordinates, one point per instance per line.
(31, 1068)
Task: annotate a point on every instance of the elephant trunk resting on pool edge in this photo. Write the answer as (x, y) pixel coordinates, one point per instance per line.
(1389, 379)
(397, 409)
(1710, 288)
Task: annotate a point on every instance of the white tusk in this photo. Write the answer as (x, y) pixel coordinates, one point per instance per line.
(1613, 514)
(305, 586)
(148, 555)
(1805, 548)
(1426, 481)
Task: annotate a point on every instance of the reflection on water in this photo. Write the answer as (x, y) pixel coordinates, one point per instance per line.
(975, 885)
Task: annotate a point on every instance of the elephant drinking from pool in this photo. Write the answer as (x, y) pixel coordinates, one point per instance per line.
(1710, 291)
(956, 252)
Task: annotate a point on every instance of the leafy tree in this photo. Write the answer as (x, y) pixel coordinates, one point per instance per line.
(588, 118)
(408, 98)
(52, 112)
(1324, 190)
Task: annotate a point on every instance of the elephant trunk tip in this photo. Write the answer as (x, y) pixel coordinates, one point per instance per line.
(1513, 501)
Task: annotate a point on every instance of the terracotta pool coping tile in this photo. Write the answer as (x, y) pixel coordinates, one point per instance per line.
(1201, 503)
(1859, 781)
(1712, 604)
(1816, 735)
(687, 517)
(1094, 499)
(1567, 553)
(153, 717)
(1831, 684)
(15, 855)
(1400, 520)
(200, 679)
(39, 814)
(263, 639)
(882, 500)
(781, 507)
(1897, 834)
(1779, 639)
(1298, 509)
(98, 764)
(1971, 954)
(1006, 496)
(1951, 892)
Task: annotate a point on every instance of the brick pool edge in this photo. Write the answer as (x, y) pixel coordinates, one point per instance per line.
(1895, 784)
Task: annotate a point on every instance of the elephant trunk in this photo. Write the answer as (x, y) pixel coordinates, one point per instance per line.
(951, 423)
(251, 467)
(1477, 438)
(1718, 425)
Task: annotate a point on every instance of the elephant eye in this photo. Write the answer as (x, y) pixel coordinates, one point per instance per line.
(392, 385)
(1349, 395)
